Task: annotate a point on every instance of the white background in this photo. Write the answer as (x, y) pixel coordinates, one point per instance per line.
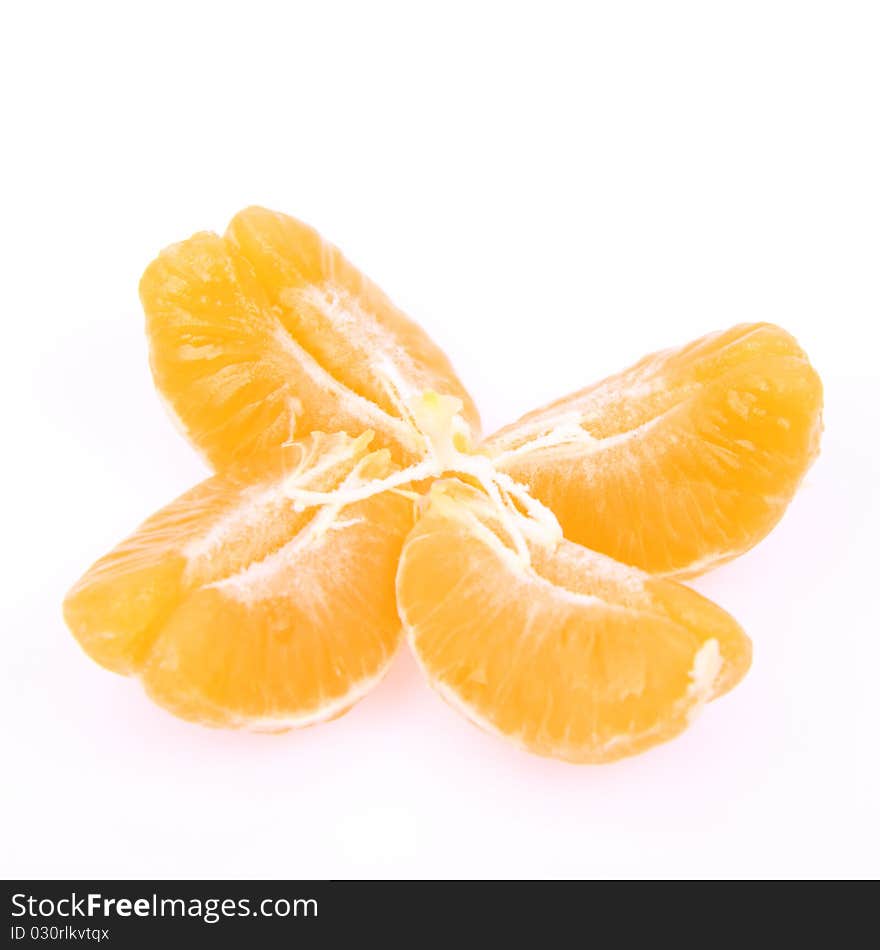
(552, 190)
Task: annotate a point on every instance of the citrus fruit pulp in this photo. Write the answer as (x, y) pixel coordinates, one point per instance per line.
(238, 609)
(532, 586)
(681, 462)
(563, 650)
(269, 332)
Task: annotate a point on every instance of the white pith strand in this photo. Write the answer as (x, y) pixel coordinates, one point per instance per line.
(437, 422)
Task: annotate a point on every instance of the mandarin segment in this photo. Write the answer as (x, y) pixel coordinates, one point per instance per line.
(682, 462)
(269, 332)
(571, 655)
(342, 317)
(238, 609)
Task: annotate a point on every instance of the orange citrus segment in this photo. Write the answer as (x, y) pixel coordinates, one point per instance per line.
(681, 462)
(270, 331)
(570, 654)
(238, 609)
